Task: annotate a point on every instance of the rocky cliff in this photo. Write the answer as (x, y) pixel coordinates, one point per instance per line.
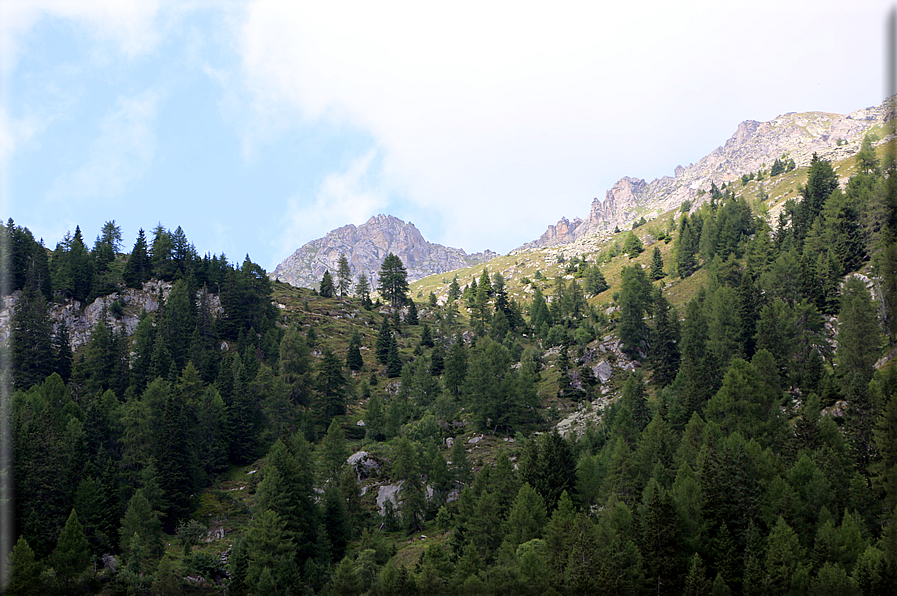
(753, 146)
(79, 320)
(366, 246)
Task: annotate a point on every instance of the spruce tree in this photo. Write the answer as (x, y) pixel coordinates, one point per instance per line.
(343, 275)
(326, 288)
(72, 553)
(331, 385)
(393, 282)
(381, 347)
(354, 361)
(412, 319)
(393, 360)
(32, 352)
(137, 268)
(363, 290)
(454, 290)
(657, 271)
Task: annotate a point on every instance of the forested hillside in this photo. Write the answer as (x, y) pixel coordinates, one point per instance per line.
(743, 442)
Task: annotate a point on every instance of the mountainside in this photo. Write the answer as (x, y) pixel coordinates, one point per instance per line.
(366, 246)
(755, 145)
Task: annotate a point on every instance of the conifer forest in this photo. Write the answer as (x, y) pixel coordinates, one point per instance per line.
(240, 436)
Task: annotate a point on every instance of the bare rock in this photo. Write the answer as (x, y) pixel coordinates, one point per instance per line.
(366, 246)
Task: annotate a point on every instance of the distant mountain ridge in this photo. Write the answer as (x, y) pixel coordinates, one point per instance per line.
(366, 246)
(754, 145)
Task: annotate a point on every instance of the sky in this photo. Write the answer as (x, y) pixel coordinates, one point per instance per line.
(258, 126)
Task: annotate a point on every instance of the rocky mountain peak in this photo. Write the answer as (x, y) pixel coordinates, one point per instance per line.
(366, 246)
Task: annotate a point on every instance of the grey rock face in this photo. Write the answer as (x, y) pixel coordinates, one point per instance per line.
(79, 321)
(366, 246)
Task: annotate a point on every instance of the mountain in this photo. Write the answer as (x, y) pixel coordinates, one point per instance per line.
(366, 246)
(753, 146)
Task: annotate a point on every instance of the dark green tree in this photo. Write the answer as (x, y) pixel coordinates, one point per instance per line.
(343, 275)
(138, 268)
(412, 319)
(384, 337)
(331, 385)
(363, 290)
(32, 352)
(634, 301)
(72, 553)
(393, 360)
(326, 288)
(657, 271)
(354, 361)
(595, 282)
(393, 280)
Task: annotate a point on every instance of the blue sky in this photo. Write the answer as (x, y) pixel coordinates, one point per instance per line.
(258, 126)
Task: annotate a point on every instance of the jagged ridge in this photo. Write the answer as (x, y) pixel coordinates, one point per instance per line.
(366, 246)
(754, 145)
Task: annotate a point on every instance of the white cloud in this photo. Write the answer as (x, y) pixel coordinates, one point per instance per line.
(14, 132)
(131, 25)
(503, 117)
(341, 198)
(122, 152)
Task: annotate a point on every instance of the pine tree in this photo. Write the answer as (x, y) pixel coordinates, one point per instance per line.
(354, 361)
(137, 268)
(72, 553)
(867, 161)
(343, 275)
(24, 570)
(526, 518)
(412, 319)
(393, 360)
(363, 290)
(454, 291)
(634, 301)
(657, 271)
(331, 384)
(381, 347)
(632, 245)
(393, 280)
(334, 451)
(295, 366)
(595, 282)
(32, 352)
(326, 289)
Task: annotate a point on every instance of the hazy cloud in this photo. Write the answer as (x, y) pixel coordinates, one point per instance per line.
(131, 25)
(481, 108)
(122, 152)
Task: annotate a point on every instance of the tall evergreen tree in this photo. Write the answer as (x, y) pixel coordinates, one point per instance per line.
(363, 290)
(354, 361)
(657, 271)
(331, 384)
(343, 275)
(383, 341)
(72, 553)
(326, 288)
(32, 351)
(393, 280)
(138, 267)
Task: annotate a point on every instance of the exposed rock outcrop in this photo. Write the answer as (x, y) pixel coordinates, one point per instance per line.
(366, 246)
(753, 146)
(79, 321)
